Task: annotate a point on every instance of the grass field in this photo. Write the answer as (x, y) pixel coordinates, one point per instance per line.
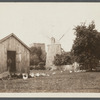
(60, 82)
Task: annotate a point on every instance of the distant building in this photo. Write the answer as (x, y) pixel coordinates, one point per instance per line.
(42, 46)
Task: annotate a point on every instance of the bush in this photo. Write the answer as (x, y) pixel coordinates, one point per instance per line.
(37, 56)
(41, 65)
(34, 60)
(32, 67)
(63, 59)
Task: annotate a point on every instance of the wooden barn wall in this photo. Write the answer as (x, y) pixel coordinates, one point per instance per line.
(2, 59)
(12, 44)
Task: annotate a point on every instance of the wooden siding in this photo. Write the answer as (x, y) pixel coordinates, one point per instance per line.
(2, 59)
(12, 44)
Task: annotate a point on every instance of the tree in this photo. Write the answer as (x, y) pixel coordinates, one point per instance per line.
(34, 60)
(36, 53)
(36, 50)
(63, 59)
(86, 47)
(57, 60)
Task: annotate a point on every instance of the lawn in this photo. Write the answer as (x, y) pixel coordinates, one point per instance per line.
(60, 82)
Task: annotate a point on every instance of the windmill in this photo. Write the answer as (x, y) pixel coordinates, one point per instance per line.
(53, 49)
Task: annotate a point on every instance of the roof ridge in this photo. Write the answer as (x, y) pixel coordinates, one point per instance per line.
(12, 34)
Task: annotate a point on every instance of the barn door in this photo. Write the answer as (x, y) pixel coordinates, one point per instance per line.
(11, 61)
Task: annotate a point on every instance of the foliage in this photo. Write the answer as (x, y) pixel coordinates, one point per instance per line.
(41, 65)
(34, 60)
(37, 51)
(36, 56)
(62, 59)
(86, 47)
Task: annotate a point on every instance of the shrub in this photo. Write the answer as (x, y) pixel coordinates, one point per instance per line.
(41, 65)
(63, 59)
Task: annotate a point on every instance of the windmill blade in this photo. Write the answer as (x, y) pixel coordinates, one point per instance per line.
(64, 34)
(61, 37)
(46, 36)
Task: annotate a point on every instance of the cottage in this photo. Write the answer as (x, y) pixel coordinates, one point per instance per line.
(14, 55)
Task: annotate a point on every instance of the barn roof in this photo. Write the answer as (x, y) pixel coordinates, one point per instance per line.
(12, 34)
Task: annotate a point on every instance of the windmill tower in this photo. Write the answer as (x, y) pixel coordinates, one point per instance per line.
(53, 49)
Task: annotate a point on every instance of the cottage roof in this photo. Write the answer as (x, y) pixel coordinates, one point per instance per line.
(12, 34)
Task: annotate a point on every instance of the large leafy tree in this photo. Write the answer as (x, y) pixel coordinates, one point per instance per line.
(86, 47)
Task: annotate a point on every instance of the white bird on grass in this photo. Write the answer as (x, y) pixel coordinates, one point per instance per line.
(54, 73)
(48, 75)
(83, 70)
(37, 74)
(70, 71)
(43, 74)
(61, 71)
(25, 76)
(32, 75)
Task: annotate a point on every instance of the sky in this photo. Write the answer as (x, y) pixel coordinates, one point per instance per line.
(38, 22)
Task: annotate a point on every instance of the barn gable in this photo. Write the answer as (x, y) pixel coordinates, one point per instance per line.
(13, 35)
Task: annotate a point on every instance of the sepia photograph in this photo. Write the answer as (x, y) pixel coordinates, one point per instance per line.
(49, 47)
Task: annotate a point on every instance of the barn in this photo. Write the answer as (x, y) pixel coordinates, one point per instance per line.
(13, 50)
